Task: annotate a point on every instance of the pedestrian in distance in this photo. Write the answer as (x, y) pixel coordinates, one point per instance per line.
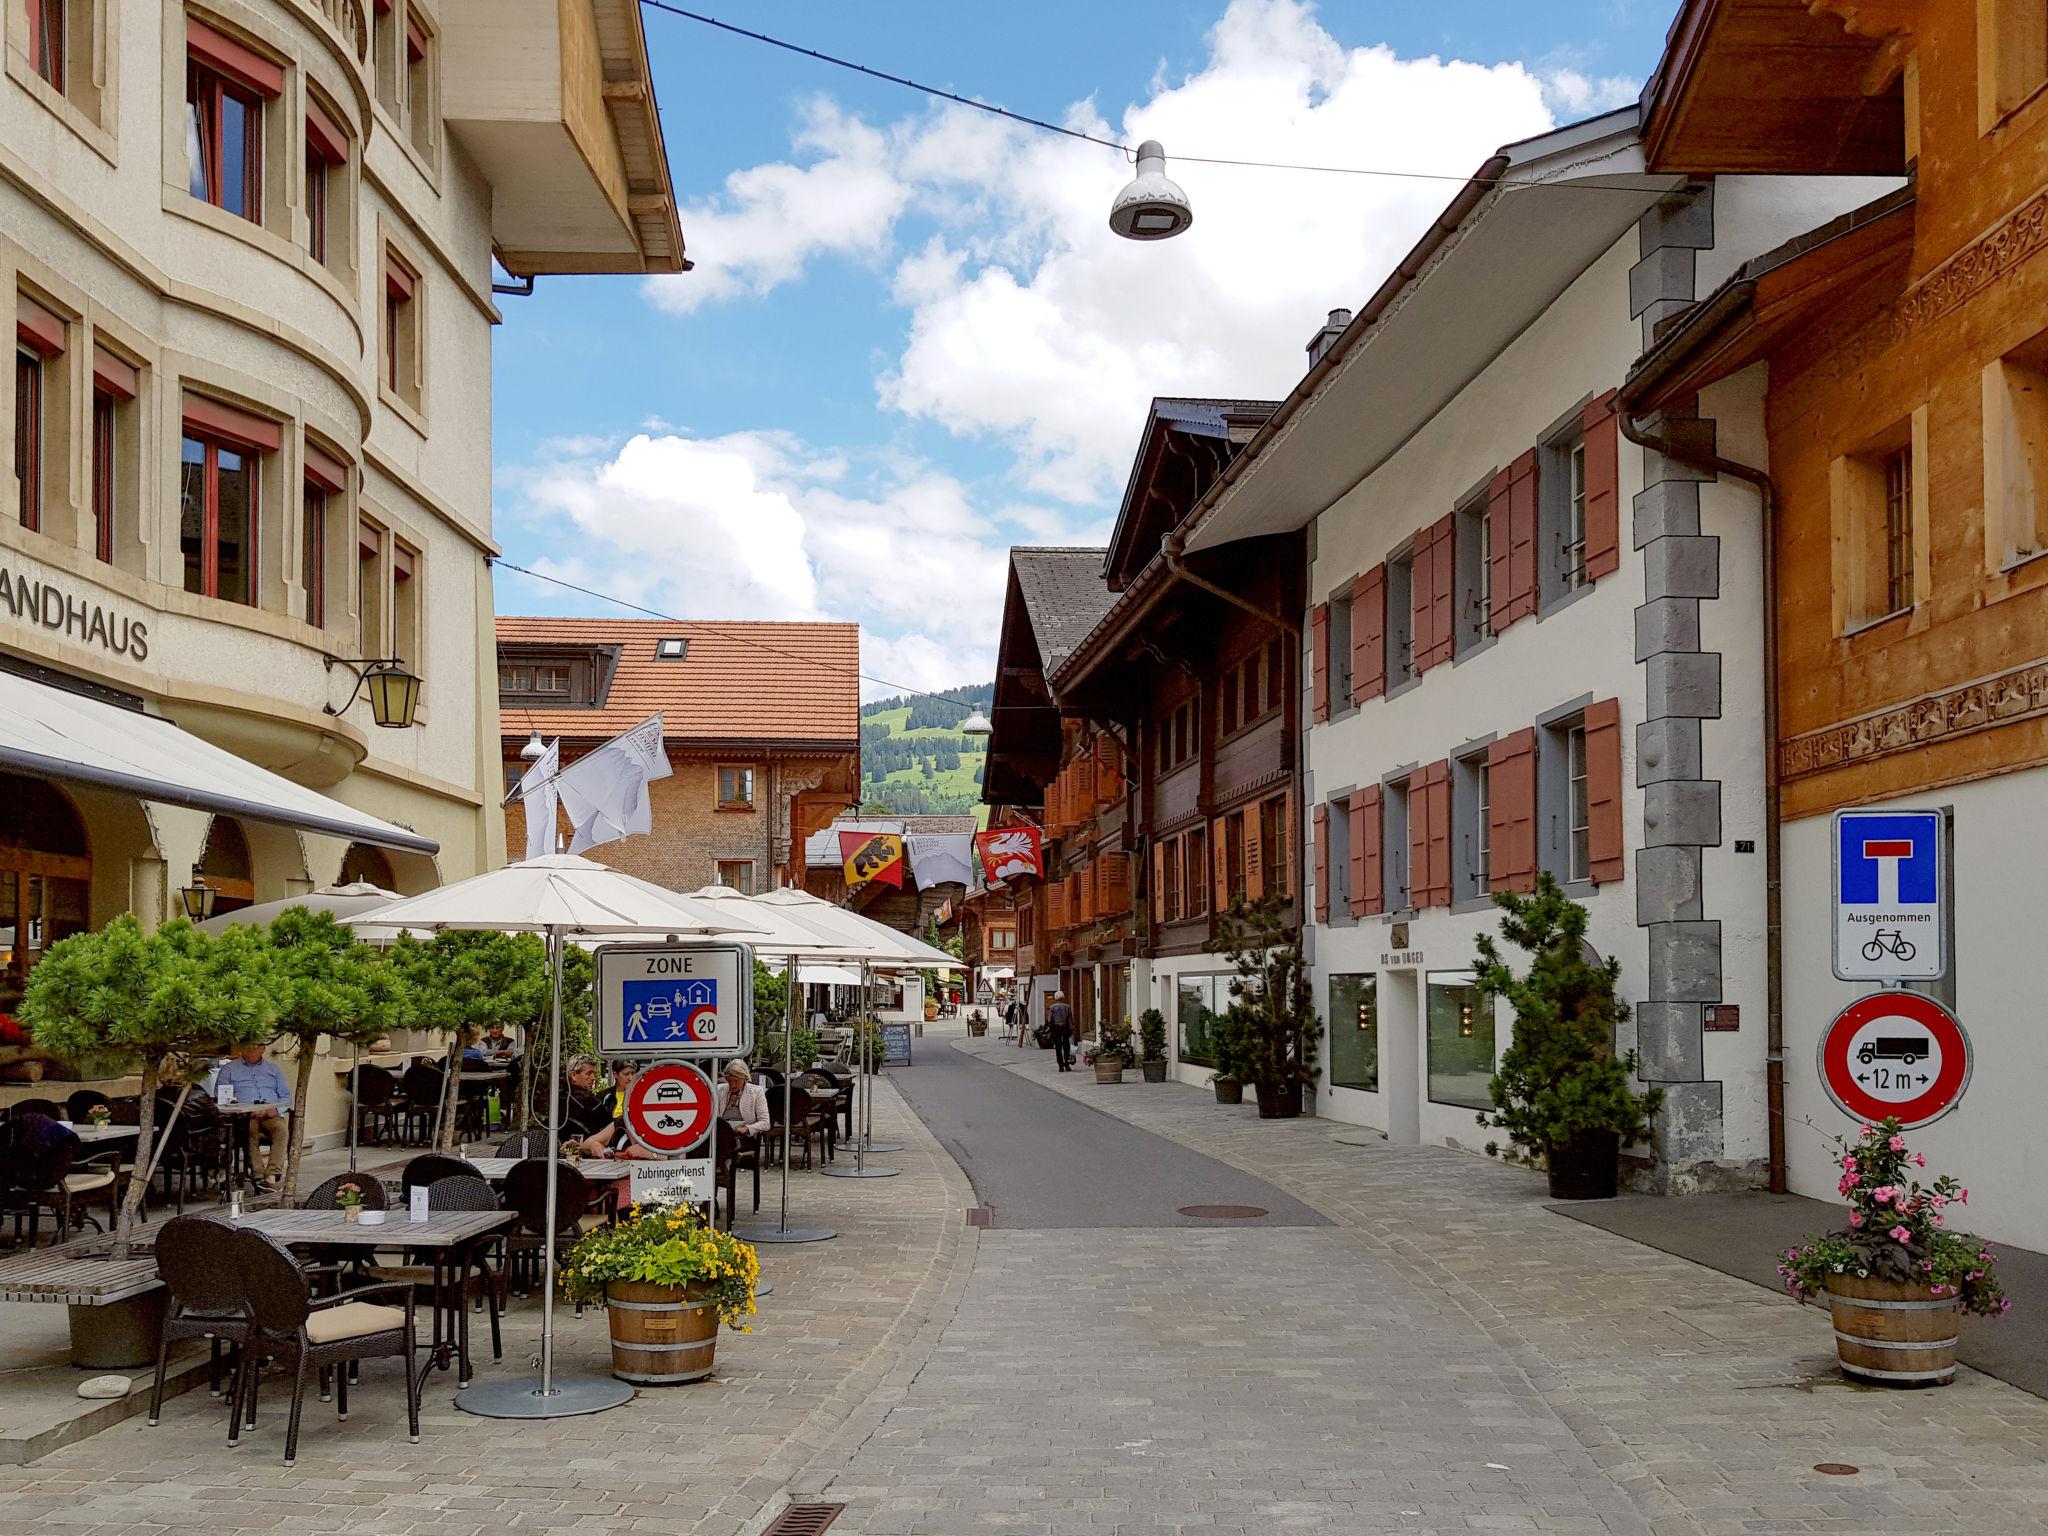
(1014, 1018)
(1059, 1018)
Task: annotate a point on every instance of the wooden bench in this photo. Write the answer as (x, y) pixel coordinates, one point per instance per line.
(117, 1305)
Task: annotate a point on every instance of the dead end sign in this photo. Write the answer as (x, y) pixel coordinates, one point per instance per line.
(668, 1108)
(1896, 1054)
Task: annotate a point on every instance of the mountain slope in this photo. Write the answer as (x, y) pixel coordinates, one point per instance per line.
(913, 759)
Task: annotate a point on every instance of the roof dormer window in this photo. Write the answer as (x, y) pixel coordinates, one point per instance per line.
(671, 648)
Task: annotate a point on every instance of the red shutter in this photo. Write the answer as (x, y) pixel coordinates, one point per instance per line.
(1522, 534)
(1499, 574)
(1056, 905)
(1603, 791)
(1603, 488)
(1254, 853)
(1083, 769)
(1511, 828)
(325, 135)
(114, 374)
(240, 63)
(212, 419)
(1432, 876)
(1432, 582)
(1368, 894)
(1117, 882)
(1219, 865)
(36, 328)
(1418, 838)
(1158, 880)
(1322, 863)
(1320, 631)
(1369, 635)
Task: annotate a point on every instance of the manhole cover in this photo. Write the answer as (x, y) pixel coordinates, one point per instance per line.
(981, 1216)
(1837, 1468)
(1223, 1212)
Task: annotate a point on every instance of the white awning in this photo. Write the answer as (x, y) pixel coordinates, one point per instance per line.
(70, 737)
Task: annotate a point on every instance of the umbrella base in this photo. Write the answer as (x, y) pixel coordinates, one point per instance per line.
(876, 1146)
(862, 1173)
(573, 1397)
(785, 1235)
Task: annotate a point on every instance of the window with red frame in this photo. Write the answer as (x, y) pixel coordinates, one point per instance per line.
(401, 338)
(219, 499)
(115, 382)
(39, 336)
(227, 88)
(48, 43)
(326, 156)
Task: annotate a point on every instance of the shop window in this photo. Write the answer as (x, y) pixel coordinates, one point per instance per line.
(1355, 1032)
(2012, 58)
(45, 873)
(1879, 495)
(735, 789)
(2016, 456)
(1460, 1029)
(1199, 1003)
(408, 638)
(402, 340)
(220, 491)
(737, 875)
(228, 89)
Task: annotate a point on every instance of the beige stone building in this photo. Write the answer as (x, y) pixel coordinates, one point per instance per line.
(251, 245)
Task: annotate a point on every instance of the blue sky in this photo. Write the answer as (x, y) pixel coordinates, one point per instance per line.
(909, 342)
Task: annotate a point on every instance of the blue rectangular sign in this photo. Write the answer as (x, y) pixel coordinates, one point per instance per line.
(1889, 890)
(678, 1011)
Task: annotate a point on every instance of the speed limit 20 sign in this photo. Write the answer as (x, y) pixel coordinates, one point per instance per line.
(1895, 1054)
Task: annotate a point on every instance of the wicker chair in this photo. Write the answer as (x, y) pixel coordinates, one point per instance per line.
(39, 1172)
(525, 1144)
(325, 1196)
(82, 1103)
(420, 1101)
(49, 1108)
(526, 1192)
(323, 1332)
(731, 1152)
(376, 1103)
(429, 1168)
(195, 1256)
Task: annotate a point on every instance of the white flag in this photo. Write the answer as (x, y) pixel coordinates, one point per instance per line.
(605, 791)
(537, 794)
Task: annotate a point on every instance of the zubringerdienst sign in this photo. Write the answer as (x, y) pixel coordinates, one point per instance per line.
(42, 603)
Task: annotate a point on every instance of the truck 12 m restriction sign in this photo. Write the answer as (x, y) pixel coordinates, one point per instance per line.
(1895, 1053)
(1889, 890)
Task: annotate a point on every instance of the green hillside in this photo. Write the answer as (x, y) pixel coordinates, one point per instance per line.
(915, 762)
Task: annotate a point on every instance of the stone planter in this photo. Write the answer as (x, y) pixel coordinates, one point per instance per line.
(1891, 1334)
(1587, 1167)
(1109, 1071)
(1155, 1071)
(1228, 1091)
(1279, 1101)
(662, 1335)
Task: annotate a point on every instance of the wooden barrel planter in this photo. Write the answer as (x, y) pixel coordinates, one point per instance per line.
(1891, 1334)
(1109, 1071)
(662, 1336)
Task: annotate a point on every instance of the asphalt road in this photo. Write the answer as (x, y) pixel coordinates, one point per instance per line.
(1042, 1161)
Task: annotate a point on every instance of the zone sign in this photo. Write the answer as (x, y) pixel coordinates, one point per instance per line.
(679, 999)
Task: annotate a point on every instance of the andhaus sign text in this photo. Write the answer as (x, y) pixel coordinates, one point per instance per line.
(40, 602)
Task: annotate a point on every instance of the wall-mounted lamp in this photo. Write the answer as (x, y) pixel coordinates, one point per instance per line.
(393, 692)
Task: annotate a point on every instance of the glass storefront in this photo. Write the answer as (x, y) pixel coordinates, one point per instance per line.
(1355, 1032)
(1460, 1041)
(1201, 1000)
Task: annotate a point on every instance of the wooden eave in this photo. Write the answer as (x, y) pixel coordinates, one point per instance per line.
(1774, 87)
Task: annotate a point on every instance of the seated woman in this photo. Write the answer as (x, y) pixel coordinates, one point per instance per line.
(739, 1100)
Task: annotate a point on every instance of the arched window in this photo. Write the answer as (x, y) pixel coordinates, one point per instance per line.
(365, 865)
(45, 870)
(226, 866)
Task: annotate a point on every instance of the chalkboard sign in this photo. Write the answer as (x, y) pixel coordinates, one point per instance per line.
(895, 1045)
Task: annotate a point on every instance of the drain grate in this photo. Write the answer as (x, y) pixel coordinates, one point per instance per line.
(1223, 1212)
(981, 1216)
(804, 1519)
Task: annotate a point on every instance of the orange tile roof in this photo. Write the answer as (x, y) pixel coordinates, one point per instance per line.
(740, 681)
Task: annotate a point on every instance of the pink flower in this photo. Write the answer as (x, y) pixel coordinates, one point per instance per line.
(1920, 1159)
(1849, 1162)
(1963, 1196)
(1984, 1257)
(1882, 1194)
(1901, 1235)
(1855, 1218)
(1897, 1143)
(1869, 1131)
(1940, 1220)
(1939, 1200)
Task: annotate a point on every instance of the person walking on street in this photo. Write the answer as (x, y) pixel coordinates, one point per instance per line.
(1059, 1018)
(1014, 1020)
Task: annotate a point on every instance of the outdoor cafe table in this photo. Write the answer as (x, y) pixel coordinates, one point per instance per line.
(450, 1236)
(90, 1133)
(597, 1170)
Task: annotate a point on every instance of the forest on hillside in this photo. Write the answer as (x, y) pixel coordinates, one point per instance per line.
(914, 761)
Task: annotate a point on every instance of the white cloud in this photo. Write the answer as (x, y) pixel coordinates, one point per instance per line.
(1572, 93)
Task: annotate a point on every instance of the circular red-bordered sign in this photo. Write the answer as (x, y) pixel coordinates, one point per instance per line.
(668, 1108)
(1895, 1054)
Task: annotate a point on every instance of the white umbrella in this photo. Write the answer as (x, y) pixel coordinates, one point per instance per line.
(557, 895)
(342, 900)
(885, 948)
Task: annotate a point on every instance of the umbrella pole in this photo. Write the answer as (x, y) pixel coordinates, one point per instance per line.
(869, 1028)
(355, 1100)
(547, 1295)
(782, 1231)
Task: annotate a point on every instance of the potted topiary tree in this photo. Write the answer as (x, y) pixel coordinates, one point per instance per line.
(169, 1000)
(1111, 1052)
(1226, 1049)
(1271, 1005)
(330, 984)
(1561, 1093)
(461, 980)
(1152, 1044)
(1897, 1280)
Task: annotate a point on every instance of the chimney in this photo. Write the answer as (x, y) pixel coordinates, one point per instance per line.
(1326, 338)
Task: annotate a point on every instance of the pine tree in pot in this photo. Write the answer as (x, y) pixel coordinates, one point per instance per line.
(1561, 1093)
(1270, 1004)
(1152, 1045)
(1226, 1049)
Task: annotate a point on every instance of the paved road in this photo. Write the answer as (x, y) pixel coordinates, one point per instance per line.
(1042, 1160)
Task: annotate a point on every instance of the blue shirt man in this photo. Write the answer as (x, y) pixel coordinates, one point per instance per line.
(257, 1081)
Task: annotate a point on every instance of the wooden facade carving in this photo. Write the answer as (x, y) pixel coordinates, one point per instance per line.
(2014, 238)
(2018, 694)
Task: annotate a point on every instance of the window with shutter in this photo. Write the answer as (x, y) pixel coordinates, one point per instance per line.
(1368, 890)
(1603, 487)
(1084, 894)
(1254, 852)
(1116, 889)
(1369, 635)
(1056, 905)
(1219, 867)
(1194, 853)
(1607, 860)
(1319, 627)
(1511, 829)
(1159, 887)
(1511, 542)
(1432, 869)
(1322, 820)
(1436, 585)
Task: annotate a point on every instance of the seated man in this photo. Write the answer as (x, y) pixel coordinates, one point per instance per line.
(497, 1043)
(256, 1080)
